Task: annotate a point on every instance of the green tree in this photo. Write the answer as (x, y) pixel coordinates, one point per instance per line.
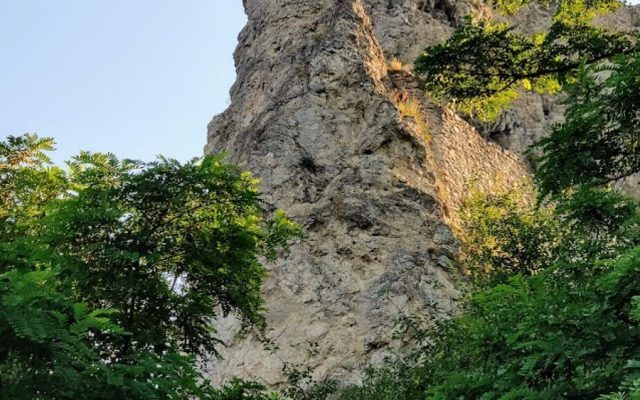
(482, 66)
(599, 142)
(570, 332)
(559, 319)
(166, 244)
(111, 273)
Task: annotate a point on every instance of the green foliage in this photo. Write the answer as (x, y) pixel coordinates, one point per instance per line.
(243, 390)
(166, 245)
(503, 234)
(111, 273)
(20, 186)
(600, 140)
(564, 333)
(582, 9)
(483, 64)
(562, 323)
(602, 221)
(396, 380)
(45, 353)
(559, 322)
(27, 183)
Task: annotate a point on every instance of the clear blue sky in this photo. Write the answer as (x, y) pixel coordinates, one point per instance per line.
(134, 77)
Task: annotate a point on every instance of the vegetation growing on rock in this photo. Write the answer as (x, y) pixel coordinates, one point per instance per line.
(556, 314)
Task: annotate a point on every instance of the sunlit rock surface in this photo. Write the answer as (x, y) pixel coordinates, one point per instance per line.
(314, 115)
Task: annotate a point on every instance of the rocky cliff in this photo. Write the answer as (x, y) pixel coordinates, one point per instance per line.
(373, 170)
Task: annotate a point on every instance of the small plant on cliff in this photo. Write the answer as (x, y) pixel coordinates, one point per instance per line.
(411, 108)
(395, 65)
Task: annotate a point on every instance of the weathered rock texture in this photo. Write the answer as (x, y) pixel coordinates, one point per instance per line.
(315, 115)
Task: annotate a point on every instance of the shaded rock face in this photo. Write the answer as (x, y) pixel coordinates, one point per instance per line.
(315, 116)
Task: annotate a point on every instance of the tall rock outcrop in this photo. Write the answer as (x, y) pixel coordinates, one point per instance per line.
(317, 115)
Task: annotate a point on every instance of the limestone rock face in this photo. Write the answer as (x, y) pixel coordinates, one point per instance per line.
(316, 115)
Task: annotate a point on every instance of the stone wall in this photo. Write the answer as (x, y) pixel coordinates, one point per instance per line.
(460, 156)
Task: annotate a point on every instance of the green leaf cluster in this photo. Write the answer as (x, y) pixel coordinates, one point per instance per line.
(113, 271)
(565, 333)
(600, 140)
(503, 233)
(483, 65)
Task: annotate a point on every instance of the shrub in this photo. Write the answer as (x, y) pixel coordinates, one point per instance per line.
(409, 107)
